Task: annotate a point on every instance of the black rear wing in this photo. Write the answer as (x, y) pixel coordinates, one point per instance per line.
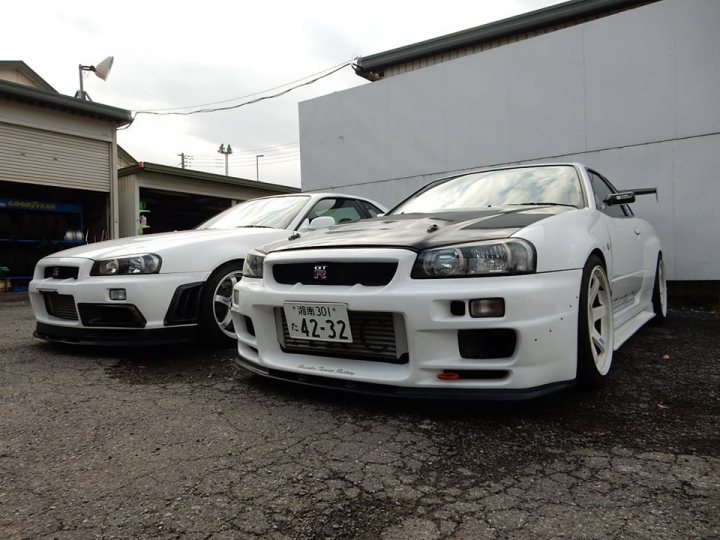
(645, 191)
(627, 196)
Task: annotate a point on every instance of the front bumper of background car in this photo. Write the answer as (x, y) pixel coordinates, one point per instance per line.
(438, 350)
(76, 307)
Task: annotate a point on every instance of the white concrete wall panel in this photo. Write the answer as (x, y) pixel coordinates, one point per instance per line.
(546, 95)
(417, 123)
(630, 77)
(367, 156)
(477, 112)
(321, 141)
(697, 66)
(697, 221)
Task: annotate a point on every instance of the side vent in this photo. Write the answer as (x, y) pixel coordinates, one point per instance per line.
(184, 305)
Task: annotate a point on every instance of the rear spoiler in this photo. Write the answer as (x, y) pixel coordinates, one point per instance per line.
(645, 191)
(628, 196)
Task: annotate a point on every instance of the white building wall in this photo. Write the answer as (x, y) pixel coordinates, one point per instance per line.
(634, 95)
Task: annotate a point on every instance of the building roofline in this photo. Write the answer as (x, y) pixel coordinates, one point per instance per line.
(64, 103)
(526, 22)
(125, 154)
(202, 175)
(28, 72)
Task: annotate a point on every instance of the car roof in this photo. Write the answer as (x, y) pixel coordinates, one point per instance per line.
(322, 195)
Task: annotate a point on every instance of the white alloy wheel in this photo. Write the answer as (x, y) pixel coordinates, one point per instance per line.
(662, 288)
(222, 297)
(214, 315)
(595, 325)
(599, 320)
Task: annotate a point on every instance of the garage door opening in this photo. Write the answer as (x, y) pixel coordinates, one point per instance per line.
(36, 221)
(165, 211)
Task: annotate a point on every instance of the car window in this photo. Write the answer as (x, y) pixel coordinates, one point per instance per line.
(271, 212)
(521, 186)
(601, 189)
(371, 209)
(341, 210)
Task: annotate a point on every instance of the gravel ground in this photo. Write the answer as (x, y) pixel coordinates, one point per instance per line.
(169, 443)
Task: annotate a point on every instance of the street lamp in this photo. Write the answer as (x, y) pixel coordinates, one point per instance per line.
(226, 152)
(257, 166)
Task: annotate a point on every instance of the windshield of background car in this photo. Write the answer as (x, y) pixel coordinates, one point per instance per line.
(527, 185)
(273, 212)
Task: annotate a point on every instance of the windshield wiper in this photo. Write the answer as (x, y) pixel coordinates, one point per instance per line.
(253, 227)
(542, 204)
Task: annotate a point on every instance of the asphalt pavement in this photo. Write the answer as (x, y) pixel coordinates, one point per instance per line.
(176, 443)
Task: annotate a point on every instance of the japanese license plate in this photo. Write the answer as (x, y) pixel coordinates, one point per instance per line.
(319, 322)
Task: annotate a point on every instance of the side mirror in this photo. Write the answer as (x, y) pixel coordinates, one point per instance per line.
(318, 223)
(621, 197)
(321, 222)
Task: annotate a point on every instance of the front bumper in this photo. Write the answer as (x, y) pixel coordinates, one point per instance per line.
(114, 337)
(541, 310)
(81, 311)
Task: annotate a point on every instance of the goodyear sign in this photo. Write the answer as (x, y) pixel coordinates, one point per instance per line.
(39, 206)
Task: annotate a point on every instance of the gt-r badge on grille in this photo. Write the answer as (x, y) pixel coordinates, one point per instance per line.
(320, 271)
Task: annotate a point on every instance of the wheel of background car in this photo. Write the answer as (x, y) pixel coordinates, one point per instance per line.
(595, 325)
(659, 296)
(216, 325)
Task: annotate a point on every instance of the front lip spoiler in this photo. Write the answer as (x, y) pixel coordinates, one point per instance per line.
(384, 390)
(123, 337)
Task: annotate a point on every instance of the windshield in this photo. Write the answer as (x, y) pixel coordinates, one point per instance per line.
(272, 212)
(526, 185)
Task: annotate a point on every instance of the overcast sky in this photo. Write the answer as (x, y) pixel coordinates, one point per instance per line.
(178, 54)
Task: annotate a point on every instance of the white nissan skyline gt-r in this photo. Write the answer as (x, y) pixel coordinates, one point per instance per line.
(502, 283)
(170, 287)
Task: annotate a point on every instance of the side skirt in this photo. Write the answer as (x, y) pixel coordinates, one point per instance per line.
(629, 327)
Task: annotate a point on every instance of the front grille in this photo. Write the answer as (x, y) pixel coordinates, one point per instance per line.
(373, 336)
(61, 306)
(335, 273)
(61, 272)
(111, 315)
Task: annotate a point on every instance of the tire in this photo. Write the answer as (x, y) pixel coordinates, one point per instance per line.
(659, 295)
(216, 327)
(595, 325)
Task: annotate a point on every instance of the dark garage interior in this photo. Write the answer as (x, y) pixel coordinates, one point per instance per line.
(167, 211)
(36, 221)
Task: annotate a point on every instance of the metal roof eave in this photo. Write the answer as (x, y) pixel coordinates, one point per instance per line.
(526, 22)
(65, 103)
(202, 175)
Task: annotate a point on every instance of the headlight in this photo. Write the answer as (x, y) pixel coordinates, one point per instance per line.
(148, 263)
(253, 265)
(512, 256)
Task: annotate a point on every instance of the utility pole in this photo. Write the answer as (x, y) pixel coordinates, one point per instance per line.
(226, 152)
(257, 166)
(182, 159)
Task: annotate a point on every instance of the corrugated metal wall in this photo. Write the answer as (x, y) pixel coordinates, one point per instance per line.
(36, 156)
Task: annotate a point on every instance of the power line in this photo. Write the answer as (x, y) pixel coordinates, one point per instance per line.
(260, 149)
(335, 67)
(252, 101)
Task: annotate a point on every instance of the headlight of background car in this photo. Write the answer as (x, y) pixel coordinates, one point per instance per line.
(253, 265)
(498, 257)
(148, 263)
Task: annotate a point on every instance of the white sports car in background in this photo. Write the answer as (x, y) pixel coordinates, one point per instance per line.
(504, 283)
(165, 287)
